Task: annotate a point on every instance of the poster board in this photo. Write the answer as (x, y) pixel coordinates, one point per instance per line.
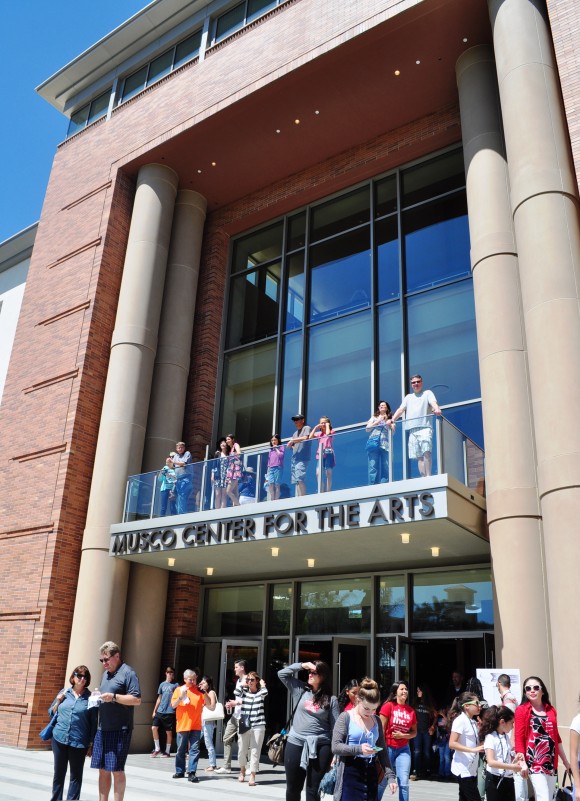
(488, 678)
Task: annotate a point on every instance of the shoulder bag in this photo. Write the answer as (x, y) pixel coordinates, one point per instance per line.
(46, 733)
(277, 743)
(213, 714)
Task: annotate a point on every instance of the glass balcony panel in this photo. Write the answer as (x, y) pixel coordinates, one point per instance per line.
(352, 463)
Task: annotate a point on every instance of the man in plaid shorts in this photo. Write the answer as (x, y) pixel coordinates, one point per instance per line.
(120, 692)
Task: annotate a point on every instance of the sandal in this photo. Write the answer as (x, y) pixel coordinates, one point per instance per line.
(210, 768)
(252, 783)
(241, 777)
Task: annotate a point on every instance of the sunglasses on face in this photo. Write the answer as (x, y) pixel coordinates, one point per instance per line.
(314, 673)
(532, 688)
(80, 676)
(472, 703)
(105, 659)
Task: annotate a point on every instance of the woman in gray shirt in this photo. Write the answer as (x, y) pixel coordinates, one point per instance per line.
(307, 756)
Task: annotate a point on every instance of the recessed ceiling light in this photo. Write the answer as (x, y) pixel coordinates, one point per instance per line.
(171, 562)
(296, 122)
(199, 172)
(311, 562)
(418, 61)
(465, 39)
(317, 112)
(275, 551)
(435, 551)
(214, 163)
(277, 130)
(209, 571)
(405, 537)
(397, 73)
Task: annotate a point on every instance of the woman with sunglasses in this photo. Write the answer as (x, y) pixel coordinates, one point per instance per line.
(464, 742)
(538, 739)
(251, 697)
(315, 713)
(73, 733)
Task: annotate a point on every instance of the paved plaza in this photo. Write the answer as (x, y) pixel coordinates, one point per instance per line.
(28, 775)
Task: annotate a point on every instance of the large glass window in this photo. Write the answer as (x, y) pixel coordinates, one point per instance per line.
(93, 111)
(280, 609)
(392, 609)
(453, 601)
(248, 400)
(339, 370)
(340, 606)
(234, 611)
(443, 341)
(369, 286)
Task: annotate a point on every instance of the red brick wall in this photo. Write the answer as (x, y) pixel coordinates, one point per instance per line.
(565, 22)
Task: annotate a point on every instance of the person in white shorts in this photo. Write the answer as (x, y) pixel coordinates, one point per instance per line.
(416, 406)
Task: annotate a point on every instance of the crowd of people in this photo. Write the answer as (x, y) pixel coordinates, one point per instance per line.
(234, 484)
(368, 746)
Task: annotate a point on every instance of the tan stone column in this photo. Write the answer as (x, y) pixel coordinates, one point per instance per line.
(165, 424)
(547, 225)
(515, 528)
(146, 601)
(102, 582)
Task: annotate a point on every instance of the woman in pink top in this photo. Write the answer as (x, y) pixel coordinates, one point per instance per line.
(325, 453)
(275, 465)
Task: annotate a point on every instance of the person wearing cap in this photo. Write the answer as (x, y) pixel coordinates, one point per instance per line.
(300, 453)
(247, 486)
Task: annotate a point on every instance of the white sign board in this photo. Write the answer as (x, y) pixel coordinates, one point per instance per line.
(488, 678)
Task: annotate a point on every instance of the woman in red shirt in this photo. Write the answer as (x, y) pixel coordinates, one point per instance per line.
(537, 738)
(400, 725)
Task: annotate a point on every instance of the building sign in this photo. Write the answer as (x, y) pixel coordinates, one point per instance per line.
(206, 531)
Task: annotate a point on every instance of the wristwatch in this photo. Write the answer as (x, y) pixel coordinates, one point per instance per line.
(114, 699)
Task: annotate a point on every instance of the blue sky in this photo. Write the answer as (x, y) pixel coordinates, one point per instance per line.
(37, 38)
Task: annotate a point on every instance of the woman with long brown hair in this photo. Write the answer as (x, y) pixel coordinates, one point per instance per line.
(316, 711)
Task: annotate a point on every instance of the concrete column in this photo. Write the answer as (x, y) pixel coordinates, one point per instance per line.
(547, 226)
(165, 424)
(102, 582)
(146, 602)
(515, 528)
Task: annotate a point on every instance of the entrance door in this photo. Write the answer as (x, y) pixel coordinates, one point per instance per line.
(232, 650)
(347, 657)
(350, 660)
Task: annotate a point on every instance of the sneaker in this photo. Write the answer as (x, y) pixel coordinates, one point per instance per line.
(155, 753)
(163, 755)
(179, 775)
(193, 778)
(224, 770)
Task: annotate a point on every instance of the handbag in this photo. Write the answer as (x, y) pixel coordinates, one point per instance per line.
(328, 783)
(244, 723)
(213, 714)
(46, 733)
(277, 743)
(564, 793)
(374, 441)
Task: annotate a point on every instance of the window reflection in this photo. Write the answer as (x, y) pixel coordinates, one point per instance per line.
(443, 341)
(391, 605)
(436, 238)
(234, 611)
(295, 296)
(248, 400)
(280, 609)
(387, 243)
(340, 214)
(453, 601)
(339, 370)
(386, 196)
(254, 305)
(433, 177)
(291, 382)
(257, 248)
(390, 346)
(341, 275)
(341, 606)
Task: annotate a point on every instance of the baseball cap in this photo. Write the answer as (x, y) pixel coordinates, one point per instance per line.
(298, 416)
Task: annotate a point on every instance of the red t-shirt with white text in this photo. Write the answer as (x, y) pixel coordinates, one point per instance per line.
(400, 717)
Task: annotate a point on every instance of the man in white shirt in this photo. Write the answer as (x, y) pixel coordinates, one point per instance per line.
(416, 407)
(231, 730)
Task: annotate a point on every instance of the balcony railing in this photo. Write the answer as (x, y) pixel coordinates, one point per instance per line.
(355, 465)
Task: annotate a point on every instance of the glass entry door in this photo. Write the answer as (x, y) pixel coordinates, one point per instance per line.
(232, 650)
(350, 660)
(347, 657)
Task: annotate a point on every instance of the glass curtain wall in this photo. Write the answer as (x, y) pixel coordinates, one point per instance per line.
(333, 307)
